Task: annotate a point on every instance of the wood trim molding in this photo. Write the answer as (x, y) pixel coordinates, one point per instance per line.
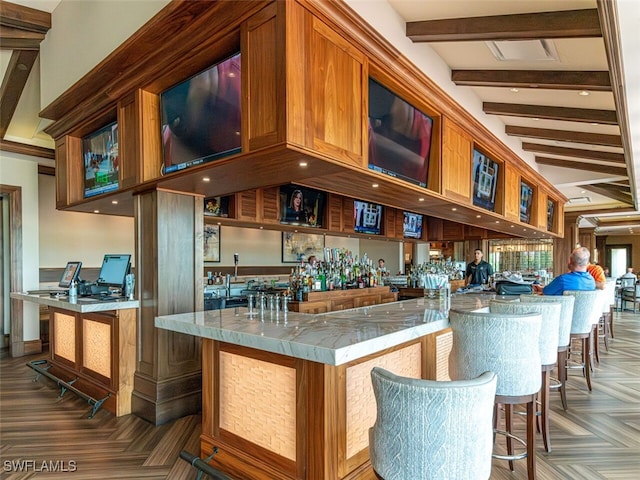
(24, 18)
(565, 136)
(25, 149)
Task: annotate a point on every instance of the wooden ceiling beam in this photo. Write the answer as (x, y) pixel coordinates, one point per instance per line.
(13, 84)
(17, 39)
(604, 222)
(551, 79)
(575, 152)
(24, 18)
(591, 167)
(527, 26)
(615, 188)
(565, 136)
(607, 193)
(585, 115)
(24, 149)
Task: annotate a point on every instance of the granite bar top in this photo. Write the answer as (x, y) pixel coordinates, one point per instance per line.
(79, 305)
(331, 338)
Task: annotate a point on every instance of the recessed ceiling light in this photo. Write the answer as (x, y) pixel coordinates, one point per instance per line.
(206, 179)
(583, 93)
(96, 211)
(497, 221)
(514, 90)
(478, 216)
(421, 199)
(536, 119)
(221, 224)
(454, 209)
(114, 202)
(303, 164)
(375, 185)
(512, 226)
(583, 191)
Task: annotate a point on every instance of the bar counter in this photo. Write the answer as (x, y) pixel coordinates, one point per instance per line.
(290, 397)
(93, 345)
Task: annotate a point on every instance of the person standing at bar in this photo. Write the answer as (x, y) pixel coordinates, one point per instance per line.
(478, 271)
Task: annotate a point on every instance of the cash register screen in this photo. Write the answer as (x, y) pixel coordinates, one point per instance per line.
(70, 274)
(114, 270)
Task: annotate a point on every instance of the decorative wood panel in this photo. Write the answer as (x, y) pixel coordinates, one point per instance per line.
(247, 205)
(390, 215)
(452, 231)
(62, 182)
(435, 230)
(457, 162)
(348, 222)
(540, 207)
(335, 73)
(265, 80)
(334, 212)
(270, 205)
(512, 193)
(128, 141)
(148, 161)
(399, 225)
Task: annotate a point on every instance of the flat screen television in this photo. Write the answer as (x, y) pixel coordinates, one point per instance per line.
(399, 136)
(201, 117)
(526, 201)
(551, 211)
(412, 227)
(485, 181)
(101, 162)
(301, 206)
(71, 274)
(113, 271)
(367, 217)
(217, 206)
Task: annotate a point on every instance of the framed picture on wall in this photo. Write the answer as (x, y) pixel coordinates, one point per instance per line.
(211, 243)
(297, 247)
(216, 206)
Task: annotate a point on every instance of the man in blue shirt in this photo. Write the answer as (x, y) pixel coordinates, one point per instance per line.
(578, 278)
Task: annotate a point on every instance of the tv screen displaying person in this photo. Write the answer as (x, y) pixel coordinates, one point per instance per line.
(295, 211)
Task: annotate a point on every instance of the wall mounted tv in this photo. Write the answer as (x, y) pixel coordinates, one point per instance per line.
(301, 206)
(526, 201)
(551, 211)
(201, 117)
(101, 162)
(399, 136)
(412, 227)
(485, 181)
(367, 217)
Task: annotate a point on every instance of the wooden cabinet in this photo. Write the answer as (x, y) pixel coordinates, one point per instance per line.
(334, 300)
(512, 193)
(97, 349)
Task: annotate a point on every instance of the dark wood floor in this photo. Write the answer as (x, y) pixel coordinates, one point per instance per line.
(597, 438)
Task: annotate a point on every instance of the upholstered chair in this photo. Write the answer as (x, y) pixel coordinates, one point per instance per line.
(508, 345)
(564, 337)
(432, 430)
(586, 312)
(548, 346)
(605, 327)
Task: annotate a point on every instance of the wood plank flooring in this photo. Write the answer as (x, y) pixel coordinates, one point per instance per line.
(597, 438)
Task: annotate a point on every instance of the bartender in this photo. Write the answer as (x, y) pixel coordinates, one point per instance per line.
(478, 271)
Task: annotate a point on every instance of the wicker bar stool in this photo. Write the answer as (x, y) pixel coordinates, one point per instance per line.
(432, 430)
(564, 337)
(507, 345)
(548, 345)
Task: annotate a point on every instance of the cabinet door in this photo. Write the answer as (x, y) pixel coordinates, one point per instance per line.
(512, 193)
(456, 163)
(335, 91)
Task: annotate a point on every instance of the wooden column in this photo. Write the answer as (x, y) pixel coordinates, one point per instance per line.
(169, 257)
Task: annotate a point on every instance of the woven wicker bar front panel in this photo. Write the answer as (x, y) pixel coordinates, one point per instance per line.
(258, 402)
(96, 346)
(361, 403)
(65, 336)
(444, 344)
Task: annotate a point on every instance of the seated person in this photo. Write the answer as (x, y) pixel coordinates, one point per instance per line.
(577, 278)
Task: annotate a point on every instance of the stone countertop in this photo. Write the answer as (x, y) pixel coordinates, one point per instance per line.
(79, 305)
(331, 338)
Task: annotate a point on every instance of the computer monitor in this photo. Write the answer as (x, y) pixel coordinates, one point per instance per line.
(114, 270)
(71, 274)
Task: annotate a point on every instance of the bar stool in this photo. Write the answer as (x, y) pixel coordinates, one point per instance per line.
(548, 346)
(606, 320)
(427, 429)
(564, 336)
(586, 312)
(507, 345)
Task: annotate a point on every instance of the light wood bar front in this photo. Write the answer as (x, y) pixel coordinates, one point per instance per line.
(290, 397)
(334, 300)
